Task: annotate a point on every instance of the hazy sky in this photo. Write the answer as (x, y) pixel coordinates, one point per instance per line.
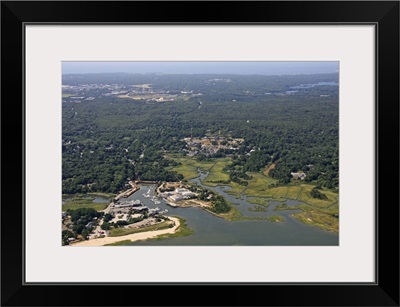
(260, 68)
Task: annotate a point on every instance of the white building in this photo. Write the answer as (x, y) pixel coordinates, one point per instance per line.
(177, 197)
(300, 176)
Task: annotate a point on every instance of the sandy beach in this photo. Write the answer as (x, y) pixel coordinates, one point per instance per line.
(132, 237)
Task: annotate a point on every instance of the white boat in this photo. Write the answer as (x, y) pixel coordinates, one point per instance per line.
(147, 194)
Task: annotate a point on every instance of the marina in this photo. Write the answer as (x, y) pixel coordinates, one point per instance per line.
(210, 229)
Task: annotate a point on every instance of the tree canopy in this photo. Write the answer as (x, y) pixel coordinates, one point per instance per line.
(108, 139)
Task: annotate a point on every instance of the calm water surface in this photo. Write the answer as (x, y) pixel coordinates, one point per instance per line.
(101, 200)
(212, 230)
(302, 86)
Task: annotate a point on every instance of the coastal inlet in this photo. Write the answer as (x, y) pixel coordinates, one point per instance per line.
(213, 230)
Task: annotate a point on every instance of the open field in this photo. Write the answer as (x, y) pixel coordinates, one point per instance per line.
(317, 212)
(99, 194)
(276, 219)
(194, 203)
(188, 171)
(189, 166)
(117, 232)
(67, 197)
(235, 189)
(257, 208)
(78, 203)
(74, 206)
(145, 85)
(138, 97)
(258, 186)
(301, 193)
(216, 172)
(319, 219)
(270, 167)
(233, 215)
(283, 207)
(259, 201)
(152, 96)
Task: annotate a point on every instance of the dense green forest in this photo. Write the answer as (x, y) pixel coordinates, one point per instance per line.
(109, 138)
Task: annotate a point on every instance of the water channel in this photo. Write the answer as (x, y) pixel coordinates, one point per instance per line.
(297, 88)
(215, 231)
(303, 86)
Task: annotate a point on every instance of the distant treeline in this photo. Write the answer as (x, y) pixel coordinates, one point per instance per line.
(108, 140)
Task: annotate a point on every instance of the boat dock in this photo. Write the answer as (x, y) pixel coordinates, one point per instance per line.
(129, 192)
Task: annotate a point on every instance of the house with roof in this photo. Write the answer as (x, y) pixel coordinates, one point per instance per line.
(300, 176)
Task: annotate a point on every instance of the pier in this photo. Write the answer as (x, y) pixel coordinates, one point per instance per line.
(129, 192)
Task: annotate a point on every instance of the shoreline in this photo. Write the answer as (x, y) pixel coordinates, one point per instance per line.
(132, 237)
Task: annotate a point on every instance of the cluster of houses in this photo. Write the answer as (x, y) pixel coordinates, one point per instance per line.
(210, 144)
(126, 211)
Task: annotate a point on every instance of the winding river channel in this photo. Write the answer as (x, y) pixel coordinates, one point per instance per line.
(213, 230)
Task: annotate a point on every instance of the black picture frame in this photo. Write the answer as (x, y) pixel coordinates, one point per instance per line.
(383, 14)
